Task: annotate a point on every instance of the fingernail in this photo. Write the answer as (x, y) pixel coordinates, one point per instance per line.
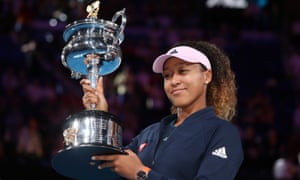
(92, 163)
(99, 167)
(93, 158)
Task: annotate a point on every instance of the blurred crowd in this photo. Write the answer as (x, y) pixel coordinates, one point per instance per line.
(37, 92)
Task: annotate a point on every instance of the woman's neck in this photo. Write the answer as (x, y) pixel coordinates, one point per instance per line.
(183, 113)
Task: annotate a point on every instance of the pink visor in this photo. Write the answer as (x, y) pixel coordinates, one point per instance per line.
(184, 53)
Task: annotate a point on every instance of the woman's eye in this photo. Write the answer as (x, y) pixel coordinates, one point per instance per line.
(182, 71)
(166, 76)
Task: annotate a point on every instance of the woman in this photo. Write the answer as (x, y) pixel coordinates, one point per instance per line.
(196, 141)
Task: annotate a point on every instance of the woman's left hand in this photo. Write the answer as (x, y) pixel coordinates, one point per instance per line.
(126, 165)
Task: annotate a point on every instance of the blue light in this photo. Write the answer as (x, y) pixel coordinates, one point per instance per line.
(262, 3)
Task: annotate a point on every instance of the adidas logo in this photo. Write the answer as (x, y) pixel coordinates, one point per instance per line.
(220, 152)
(173, 52)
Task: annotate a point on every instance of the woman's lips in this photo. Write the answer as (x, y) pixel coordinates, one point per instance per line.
(177, 91)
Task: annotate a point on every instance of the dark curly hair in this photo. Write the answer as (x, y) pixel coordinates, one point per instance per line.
(222, 90)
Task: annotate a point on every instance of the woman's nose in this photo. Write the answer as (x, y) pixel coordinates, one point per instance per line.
(175, 79)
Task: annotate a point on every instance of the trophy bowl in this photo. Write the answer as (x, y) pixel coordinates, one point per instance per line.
(92, 50)
(94, 36)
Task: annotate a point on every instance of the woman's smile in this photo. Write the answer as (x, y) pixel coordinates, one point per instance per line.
(177, 91)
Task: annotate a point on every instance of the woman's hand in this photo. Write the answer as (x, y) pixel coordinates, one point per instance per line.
(126, 165)
(94, 96)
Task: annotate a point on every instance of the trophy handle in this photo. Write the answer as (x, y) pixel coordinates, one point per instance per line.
(122, 25)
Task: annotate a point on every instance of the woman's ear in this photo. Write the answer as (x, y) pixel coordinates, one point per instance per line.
(208, 76)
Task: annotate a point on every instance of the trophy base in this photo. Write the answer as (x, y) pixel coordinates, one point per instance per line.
(76, 162)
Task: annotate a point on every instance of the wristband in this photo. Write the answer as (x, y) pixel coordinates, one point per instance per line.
(143, 174)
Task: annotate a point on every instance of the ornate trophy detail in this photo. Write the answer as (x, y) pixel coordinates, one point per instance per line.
(92, 50)
(93, 9)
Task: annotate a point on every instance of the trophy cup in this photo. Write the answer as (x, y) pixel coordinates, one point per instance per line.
(92, 50)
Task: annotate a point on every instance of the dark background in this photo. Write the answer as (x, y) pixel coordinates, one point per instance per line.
(37, 92)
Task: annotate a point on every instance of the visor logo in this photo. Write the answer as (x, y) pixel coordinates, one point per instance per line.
(174, 51)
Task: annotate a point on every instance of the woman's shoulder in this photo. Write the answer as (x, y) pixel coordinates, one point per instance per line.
(224, 126)
(155, 127)
(151, 127)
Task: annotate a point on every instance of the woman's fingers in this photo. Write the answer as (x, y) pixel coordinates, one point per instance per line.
(86, 85)
(102, 105)
(89, 99)
(85, 82)
(94, 96)
(106, 164)
(100, 85)
(90, 94)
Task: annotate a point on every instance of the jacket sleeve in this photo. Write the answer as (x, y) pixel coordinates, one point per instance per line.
(224, 155)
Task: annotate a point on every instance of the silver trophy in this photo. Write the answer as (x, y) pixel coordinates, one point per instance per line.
(92, 50)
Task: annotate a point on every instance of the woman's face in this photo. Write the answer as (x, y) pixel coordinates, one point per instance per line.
(185, 83)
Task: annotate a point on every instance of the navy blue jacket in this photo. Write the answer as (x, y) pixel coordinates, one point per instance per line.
(202, 147)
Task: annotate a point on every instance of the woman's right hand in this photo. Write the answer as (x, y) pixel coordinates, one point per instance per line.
(94, 96)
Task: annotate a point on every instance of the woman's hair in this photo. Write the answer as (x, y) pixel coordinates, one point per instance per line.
(222, 90)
